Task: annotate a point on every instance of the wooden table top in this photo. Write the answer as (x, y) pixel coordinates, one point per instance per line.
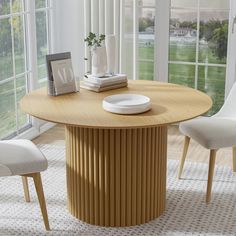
(171, 103)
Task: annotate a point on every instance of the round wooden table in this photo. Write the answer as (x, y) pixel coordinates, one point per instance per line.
(116, 164)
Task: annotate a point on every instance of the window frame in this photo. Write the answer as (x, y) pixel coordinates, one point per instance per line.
(164, 9)
(196, 63)
(161, 43)
(22, 13)
(32, 52)
(28, 13)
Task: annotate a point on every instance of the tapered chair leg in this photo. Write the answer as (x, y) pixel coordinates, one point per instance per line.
(185, 150)
(39, 190)
(26, 188)
(234, 159)
(210, 174)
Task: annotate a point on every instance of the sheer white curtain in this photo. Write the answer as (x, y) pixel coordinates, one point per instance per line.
(114, 17)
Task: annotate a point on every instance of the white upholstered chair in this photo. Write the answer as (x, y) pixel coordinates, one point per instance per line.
(213, 133)
(22, 157)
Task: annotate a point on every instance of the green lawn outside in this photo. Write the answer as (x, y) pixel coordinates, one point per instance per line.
(7, 97)
(182, 52)
(8, 109)
(146, 53)
(146, 70)
(6, 66)
(211, 80)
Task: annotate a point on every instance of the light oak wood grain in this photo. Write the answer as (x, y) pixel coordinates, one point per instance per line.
(210, 174)
(120, 202)
(185, 150)
(170, 104)
(40, 193)
(234, 159)
(26, 188)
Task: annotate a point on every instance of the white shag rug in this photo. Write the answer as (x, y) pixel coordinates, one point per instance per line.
(186, 212)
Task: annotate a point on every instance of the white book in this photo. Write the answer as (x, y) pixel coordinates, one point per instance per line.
(108, 80)
(91, 84)
(63, 76)
(110, 87)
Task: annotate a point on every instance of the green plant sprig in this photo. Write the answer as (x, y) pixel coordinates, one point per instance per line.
(95, 41)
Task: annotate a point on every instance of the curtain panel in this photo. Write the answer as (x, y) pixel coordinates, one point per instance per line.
(115, 17)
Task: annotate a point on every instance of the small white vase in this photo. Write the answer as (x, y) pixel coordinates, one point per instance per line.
(99, 61)
(110, 42)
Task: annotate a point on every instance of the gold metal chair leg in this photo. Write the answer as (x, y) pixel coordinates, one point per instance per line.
(210, 174)
(185, 150)
(26, 188)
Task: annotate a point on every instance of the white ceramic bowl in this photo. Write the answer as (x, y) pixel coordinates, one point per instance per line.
(127, 103)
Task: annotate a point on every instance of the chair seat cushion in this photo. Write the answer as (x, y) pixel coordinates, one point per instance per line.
(20, 157)
(211, 132)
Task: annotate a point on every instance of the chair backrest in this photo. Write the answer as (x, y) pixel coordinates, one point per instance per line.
(228, 110)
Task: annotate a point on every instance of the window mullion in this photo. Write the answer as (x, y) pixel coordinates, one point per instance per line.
(31, 44)
(122, 31)
(44, 8)
(32, 49)
(117, 32)
(87, 29)
(14, 66)
(13, 14)
(155, 67)
(50, 26)
(199, 63)
(47, 12)
(135, 40)
(162, 40)
(197, 44)
(25, 53)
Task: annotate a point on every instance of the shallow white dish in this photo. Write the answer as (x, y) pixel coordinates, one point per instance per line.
(126, 103)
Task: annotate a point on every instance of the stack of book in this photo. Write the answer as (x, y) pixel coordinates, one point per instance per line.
(100, 84)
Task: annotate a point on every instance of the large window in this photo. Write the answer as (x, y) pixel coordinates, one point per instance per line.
(15, 68)
(198, 46)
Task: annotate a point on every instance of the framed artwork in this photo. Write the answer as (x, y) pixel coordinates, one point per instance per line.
(61, 79)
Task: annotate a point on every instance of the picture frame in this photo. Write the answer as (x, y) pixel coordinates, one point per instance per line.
(61, 79)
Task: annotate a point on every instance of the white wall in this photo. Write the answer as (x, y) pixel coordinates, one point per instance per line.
(68, 31)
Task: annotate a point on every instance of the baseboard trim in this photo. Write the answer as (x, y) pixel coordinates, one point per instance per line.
(33, 133)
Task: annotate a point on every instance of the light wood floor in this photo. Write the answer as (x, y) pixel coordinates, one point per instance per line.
(56, 136)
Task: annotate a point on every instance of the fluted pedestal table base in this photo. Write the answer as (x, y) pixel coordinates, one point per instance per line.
(116, 177)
